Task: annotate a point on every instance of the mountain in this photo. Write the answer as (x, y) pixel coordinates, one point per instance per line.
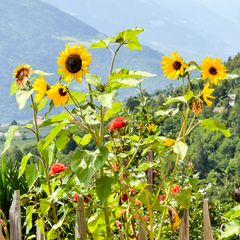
(33, 32)
(195, 28)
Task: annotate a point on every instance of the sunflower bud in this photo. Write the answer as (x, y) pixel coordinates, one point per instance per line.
(101, 87)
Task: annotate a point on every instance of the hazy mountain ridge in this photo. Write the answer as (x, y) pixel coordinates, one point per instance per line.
(34, 32)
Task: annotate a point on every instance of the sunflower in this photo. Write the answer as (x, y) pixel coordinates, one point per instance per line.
(168, 142)
(197, 106)
(59, 94)
(22, 73)
(40, 86)
(206, 95)
(73, 62)
(173, 66)
(213, 69)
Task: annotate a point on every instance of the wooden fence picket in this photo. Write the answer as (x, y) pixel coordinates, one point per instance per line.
(80, 225)
(142, 231)
(207, 229)
(39, 234)
(15, 217)
(184, 227)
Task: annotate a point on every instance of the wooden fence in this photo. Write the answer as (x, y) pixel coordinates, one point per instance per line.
(81, 226)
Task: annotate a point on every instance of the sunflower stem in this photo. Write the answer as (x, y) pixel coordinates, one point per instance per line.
(35, 119)
(114, 57)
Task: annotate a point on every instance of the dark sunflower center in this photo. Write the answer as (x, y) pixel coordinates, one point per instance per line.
(73, 63)
(62, 92)
(213, 70)
(177, 65)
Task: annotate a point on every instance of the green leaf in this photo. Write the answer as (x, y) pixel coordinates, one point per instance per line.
(44, 206)
(64, 116)
(101, 158)
(62, 140)
(104, 187)
(106, 100)
(95, 80)
(116, 108)
(86, 139)
(176, 99)
(123, 73)
(97, 226)
(183, 198)
(9, 137)
(40, 224)
(31, 174)
(42, 103)
(78, 96)
(23, 164)
(129, 38)
(181, 149)
(29, 212)
(231, 229)
(189, 95)
(14, 88)
(213, 125)
(168, 112)
(22, 96)
(233, 213)
(232, 76)
(53, 133)
(104, 43)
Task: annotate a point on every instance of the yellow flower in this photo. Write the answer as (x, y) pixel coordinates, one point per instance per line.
(73, 62)
(168, 142)
(22, 73)
(59, 94)
(173, 66)
(40, 86)
(151, 128)
(206, 95)
(213, 69)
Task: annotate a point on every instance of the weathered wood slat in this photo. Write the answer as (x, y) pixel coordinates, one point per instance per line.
(207, 229)
(184, 228)
(142, 231)
(80, 226)
(15, 217)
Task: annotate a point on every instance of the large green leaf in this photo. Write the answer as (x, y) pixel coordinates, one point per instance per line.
(29, 213)
(53, 133)
(104, 187)
(181, 149)
(9, 137)
(116, 108)
(79, 97)
(31, 174)
(103, 43)
(233, 213)
(183, 198)
(213, 125)
(106, 99)
(22, 96)
(24, 164)
(231, 229)
(93, 79)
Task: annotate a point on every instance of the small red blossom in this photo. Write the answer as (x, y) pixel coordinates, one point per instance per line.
(75, 198)
(56, 168)
(117, 123)
(176, 189)
(132, 191)
(162, 197)
(138, 203)
(86, 198)
(124, 197)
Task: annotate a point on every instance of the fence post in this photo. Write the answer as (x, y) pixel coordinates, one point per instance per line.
(142, 231)
(80, 225)
(150, 171)
(184, 227)
(15, 217)
(207, 229)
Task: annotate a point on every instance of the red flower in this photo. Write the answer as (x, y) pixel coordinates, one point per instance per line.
(117, 123)
(138, 203)
(176, 189)
(75, 198)
(56, 168)
(162, 197)
(124, 197)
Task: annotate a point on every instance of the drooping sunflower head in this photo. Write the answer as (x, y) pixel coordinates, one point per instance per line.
(74, 62)
(206, 95)
(173, 66)
(40, 87)
(59, 94)
(22, 73)
(197, 106)
(213, 70)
